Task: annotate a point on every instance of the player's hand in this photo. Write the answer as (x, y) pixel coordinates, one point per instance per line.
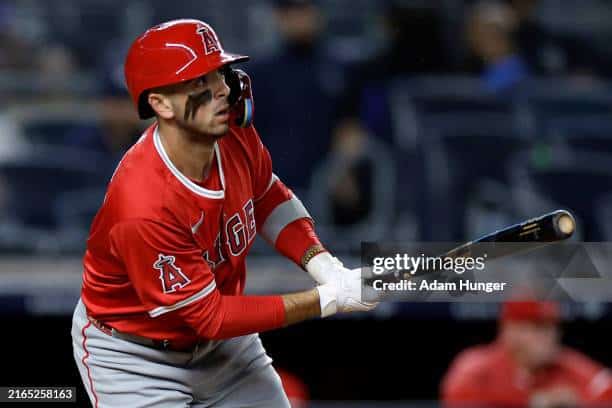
(240, 97)
(345, 294)
(325, 268)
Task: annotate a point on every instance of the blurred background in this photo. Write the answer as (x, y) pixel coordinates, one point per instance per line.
(392, 120)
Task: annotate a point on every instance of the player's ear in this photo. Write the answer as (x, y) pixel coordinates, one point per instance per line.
(161, 104)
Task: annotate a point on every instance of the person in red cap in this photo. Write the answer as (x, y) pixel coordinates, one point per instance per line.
(526, 366)
(162, 320)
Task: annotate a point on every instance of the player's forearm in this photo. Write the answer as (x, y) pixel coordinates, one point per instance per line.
(299, 242)
(252, 314)
(223, 317)
(301, 306)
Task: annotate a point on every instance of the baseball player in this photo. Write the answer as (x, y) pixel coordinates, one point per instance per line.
(162, 320)
(527, 366)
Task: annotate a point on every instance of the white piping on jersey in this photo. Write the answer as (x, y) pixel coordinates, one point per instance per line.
(273, 178)
(204, 192)
(158, 311)
(220, 166)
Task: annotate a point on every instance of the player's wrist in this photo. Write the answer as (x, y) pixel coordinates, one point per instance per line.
(312, 252)
(324, 268)
(328, 299)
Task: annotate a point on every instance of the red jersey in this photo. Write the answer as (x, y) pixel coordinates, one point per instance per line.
(166, 253)
(487, 376)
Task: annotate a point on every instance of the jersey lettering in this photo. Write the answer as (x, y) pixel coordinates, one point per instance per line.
(217, 254)
(240, 229)
(249, 214)
(236, 237)
(170, 275)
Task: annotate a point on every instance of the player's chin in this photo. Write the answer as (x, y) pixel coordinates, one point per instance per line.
(219, 129)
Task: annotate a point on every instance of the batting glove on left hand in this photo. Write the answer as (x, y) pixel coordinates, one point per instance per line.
(325, 268)
(344, 295)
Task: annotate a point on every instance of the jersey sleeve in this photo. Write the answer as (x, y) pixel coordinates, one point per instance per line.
(170, 275)
(280, 216)
(465, 383)
(596, 380)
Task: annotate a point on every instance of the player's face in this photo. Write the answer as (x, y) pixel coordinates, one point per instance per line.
(201, 106)
(536, 343)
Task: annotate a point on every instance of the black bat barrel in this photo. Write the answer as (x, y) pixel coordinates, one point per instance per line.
(554, 226)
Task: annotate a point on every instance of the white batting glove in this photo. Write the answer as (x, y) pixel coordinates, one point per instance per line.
(344, 294)
(325, 268)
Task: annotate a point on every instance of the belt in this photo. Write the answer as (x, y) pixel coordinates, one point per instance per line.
(143, 341)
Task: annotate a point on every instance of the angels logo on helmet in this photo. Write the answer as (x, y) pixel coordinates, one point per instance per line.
(211, 43)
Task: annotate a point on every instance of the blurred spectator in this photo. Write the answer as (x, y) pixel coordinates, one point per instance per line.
(296, 91)
(549, 53)
(16, 49)
(119, 126)
(363, 117)
(416, 45)
(537, 46)
(56, 67)
(490, 36)
(526, 366)
(352, 181)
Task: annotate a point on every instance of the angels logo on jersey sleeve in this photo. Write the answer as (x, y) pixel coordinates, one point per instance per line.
(170, 275)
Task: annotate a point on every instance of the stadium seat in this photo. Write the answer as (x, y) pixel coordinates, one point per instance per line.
(35, 180)
(548, 101)
(441, 95)
(591, 133)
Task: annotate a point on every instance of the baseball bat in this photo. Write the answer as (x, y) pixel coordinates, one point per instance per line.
(552, 227)
(533, 233)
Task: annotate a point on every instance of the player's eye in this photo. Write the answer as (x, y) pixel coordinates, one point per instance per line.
(201, 81)
(223, 71)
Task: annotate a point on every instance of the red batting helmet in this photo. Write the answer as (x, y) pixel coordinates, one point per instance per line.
(169, 53)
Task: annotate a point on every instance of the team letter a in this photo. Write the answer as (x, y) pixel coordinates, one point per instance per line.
(170, 275)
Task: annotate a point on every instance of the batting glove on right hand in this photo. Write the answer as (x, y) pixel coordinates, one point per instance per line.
(344, 294)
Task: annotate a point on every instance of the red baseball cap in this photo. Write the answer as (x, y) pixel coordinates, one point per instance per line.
(530, 310)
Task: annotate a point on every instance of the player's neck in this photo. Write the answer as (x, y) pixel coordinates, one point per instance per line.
(190, 154)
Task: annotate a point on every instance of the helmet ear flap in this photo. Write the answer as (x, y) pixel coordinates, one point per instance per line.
(233, 82)
(240, 97)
